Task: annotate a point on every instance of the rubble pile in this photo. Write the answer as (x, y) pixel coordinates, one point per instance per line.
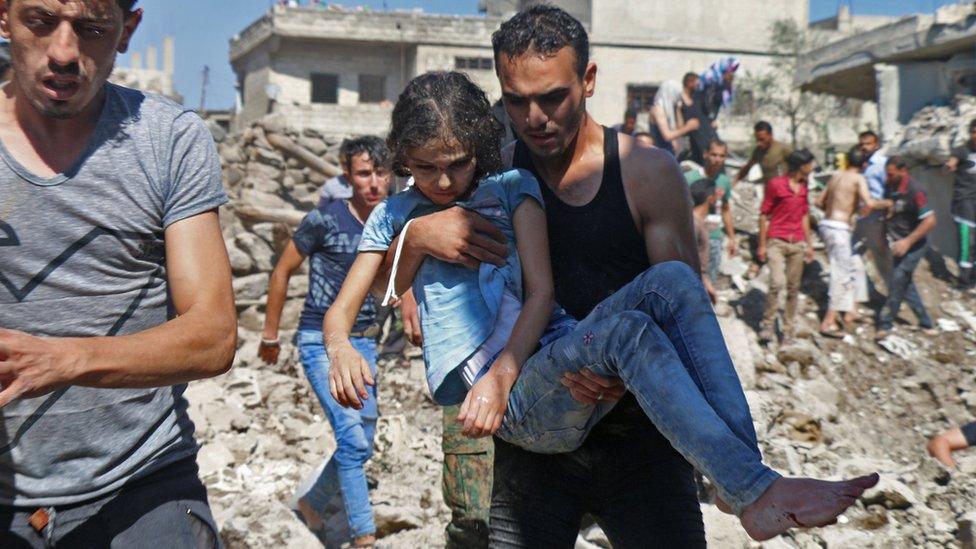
(823, 407)
(934, 130)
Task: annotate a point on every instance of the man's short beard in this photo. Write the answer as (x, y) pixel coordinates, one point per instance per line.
(572, 130)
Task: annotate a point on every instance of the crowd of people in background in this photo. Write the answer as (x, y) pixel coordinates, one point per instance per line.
(602, 405)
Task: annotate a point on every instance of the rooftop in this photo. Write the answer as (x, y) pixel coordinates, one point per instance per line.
(375, 27)
(846, 67)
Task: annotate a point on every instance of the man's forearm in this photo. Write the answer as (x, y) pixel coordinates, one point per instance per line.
(196, 345)
(924, 228)
(727, 221)
(763, 230)
(277, 291)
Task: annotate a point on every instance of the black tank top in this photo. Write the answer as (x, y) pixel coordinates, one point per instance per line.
(595, 248)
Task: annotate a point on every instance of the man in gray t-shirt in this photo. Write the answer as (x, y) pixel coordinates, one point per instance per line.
(115, 290)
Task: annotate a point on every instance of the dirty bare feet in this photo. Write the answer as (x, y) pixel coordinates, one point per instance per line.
(940, 449)
(364, 542)
(801, 503)
(722, 506)
(312, 518)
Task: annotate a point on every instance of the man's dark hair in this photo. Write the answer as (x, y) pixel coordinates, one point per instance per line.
(688, 78)
(856, 158)
(972, 125)
(798, 159)
(127, 5)
(898, 162)
(374, 147)
(867, 133)
(717, 143)
(701, 190)
(630, 113)
(445, 106)
(763, 126)
(545, 29)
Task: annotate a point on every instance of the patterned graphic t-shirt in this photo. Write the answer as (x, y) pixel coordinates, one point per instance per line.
(329, 236)
(83, 254)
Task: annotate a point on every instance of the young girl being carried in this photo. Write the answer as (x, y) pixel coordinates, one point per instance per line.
(495, 340)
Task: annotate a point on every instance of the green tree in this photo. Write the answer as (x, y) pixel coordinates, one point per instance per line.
(774, 93)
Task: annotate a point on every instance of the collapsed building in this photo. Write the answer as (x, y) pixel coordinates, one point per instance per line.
(920, 71)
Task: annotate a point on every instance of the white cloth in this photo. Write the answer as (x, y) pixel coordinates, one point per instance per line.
(848, 278)
(481, 360)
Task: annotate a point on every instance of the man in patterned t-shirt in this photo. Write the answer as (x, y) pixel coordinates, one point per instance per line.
(329, 235)
(909, 222)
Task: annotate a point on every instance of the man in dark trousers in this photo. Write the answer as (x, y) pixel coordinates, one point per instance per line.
(613, 210)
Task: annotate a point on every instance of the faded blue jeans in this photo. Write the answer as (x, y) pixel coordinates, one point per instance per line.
(353, 431)
(660, 336)
(902, 288)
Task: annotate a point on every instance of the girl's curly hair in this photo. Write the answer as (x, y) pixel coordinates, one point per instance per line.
(447, 106)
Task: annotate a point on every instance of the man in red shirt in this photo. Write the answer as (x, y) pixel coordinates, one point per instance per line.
(785, 239)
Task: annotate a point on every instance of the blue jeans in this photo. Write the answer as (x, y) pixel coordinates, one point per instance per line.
(660, 336)
(353, 431)
(902, 288)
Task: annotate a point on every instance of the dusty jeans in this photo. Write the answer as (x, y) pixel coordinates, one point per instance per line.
(659, 335)
(785, 271)
(848, 280)
(902, 288)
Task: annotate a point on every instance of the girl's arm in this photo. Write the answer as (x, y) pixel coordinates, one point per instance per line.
(291, 259)
(347, 369)
(484, 407)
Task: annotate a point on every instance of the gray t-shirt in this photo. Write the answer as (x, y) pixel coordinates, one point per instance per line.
(82, 254)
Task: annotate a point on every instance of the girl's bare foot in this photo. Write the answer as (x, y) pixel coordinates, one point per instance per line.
(312, 518)
(801, 503)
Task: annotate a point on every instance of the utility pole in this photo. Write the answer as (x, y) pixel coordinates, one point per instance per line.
(203, 89)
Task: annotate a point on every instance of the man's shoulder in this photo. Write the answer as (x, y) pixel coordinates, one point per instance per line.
(137, 106)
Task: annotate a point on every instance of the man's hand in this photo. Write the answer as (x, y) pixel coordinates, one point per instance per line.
(900, 247)
(484, 408)
(457, 235)
(349, 374)
(33, 366)
(761, 253)
(589, 388)
(733, 244)
(268, 351)
(411, 320)
(808, 253)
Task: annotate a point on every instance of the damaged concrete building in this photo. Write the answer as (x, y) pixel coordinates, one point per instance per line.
(902, 66)
(921, 73)
(340, 70)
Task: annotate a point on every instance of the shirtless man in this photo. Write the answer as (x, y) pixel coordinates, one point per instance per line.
(841, 199)
(613, 210)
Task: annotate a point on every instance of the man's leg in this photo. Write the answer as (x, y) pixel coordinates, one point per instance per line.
(776, 260)
(647, 503)
(466, 483)
(912, 297)
(544, 418)
(840, 288)
(353, 430)
(899, 286)
(794, 276)
(168, 508)
(537, 499)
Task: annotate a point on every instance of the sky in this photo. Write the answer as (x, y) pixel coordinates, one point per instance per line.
(203, 28)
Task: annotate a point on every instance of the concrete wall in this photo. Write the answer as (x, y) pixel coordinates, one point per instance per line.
(256, 71)
(296, 60)
(739, 24)
(339, 120)
(441, 58)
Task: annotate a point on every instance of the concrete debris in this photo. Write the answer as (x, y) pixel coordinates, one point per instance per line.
(822, 407)
(934, 130)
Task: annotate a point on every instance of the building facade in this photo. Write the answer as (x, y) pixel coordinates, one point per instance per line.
(341, 70)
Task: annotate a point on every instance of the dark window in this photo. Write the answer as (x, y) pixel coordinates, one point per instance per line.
(474, 63)
(371, 88)
(744, 103)
(641, 98)
(325, 88)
